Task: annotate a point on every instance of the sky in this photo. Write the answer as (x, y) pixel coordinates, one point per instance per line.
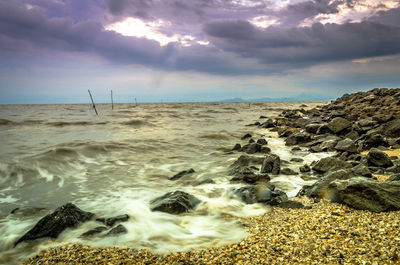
(53, 51)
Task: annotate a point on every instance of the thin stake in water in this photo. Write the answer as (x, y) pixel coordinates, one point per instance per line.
(94, 106)
(112, 101)
(135, 101)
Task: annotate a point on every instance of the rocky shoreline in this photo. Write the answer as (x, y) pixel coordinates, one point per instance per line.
(346, 216)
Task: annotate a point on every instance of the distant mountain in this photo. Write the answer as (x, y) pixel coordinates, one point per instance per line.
(300, 97)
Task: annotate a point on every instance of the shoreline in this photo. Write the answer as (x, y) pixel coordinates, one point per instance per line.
(328, 233)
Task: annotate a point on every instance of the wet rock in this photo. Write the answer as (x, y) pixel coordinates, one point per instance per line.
(265, 149)
(247, 135)
(293, 205)
(250, 177)
(278, 197)
(305, 168)
(242, 162)
(286, 131)
(329, 164)
(374, 140)
(362, 170)
(323, 129)
(288, 171)
(27, 210)
(181, 174)
(174, 202)
(378, 158)
(353, 135)
(262, 141)
(251, 148)
(392, 128)
(66, 216)
(338, 125)
(268, 124)
(251, 141)
(296, 159)
(395, 177)
(110, 221)
(271, 164)
(253, 194)
(237, 147)
(297, 138)
(346, 145)
(367, 194)
(206, 181)
(312, 128)
(118, 230)
(94, 231)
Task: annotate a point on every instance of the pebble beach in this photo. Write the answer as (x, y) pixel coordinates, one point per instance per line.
(328, 233)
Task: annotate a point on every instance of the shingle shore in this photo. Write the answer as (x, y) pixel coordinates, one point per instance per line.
(329, 233)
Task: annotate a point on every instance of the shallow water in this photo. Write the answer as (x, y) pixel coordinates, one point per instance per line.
(118, 161)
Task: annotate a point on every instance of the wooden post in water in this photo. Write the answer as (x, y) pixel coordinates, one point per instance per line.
(135, 101)
(112, 101)
(94, 106)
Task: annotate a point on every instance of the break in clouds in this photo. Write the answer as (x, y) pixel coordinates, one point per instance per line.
(210, 36)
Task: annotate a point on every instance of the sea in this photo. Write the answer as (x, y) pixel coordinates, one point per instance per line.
(116, 162)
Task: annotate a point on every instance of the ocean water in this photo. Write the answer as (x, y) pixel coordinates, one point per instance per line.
(117, 162)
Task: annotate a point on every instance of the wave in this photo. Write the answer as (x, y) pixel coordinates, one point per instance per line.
(73, 123)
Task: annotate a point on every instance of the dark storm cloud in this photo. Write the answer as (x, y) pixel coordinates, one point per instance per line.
(318, 43)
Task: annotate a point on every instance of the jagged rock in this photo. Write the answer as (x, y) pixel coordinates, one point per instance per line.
(174, 202)
(116, 231)
(53, 224)
(251, 148)
(247, 135)
(330, 163)
(378, 158)
(374, 140)
(288, 171)
(312, 127)
(346, 145)
(392, 128)
(338, 124)
(181, 174)
(323, 129)
(242, 162)
(297, 138)
(367, 194)
(94, 231)
(271, 164)
(110, 221)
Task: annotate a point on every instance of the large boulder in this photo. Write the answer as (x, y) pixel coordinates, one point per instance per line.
(271, 164)
(329, 164)
(392, 128)
(174, 202)
(251, 148)
(338, 125)
(53, 224)
(378, 158)
(298, 138)
(367, 194)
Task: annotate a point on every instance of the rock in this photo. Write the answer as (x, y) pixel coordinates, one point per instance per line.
(312, 128)
(206, 181)
(253, 194)
(247, 135)
(94, 231)
(262, 141)
(296, 159)
(378, 158)
(362, 170)
(297, 138)
(323, 129)
(374, 140)
(395, 177)
(286, 131)
(174, 202)
(305, 168)
(250, 177)
(27, 210)
(268, 124)
(367, 194)
(288, 171)
(237, 147)
(116, 231)
(353, 135)
(251, 148)
(251, 141)
(346, 145)
(110, 221)
(293, 205)
(338, 125)
(242, 162)
(53, 224)
(181, 174)
(278, 197)
(330, 163)
(392, 128)
(271, 164)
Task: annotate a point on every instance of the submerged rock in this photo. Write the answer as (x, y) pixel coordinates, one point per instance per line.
(175, 202)
(116, 231)
(181, 174)
(110, 221)
(53, 224)
(94, 231)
